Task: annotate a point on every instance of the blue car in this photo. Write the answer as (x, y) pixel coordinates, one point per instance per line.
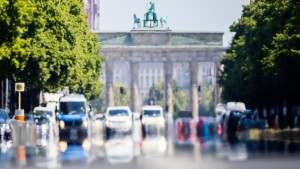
(4, 125)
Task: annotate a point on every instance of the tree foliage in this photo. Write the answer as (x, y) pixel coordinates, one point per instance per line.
(47, 45)
(262, 65)
(207, 104)
(121, 99)
(156, 93)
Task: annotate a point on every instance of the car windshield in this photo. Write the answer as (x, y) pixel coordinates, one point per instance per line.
(72, 107)
(28, 117)
(120, 112)
(40, 117)
(152, 113)
(236, 114)
(43, 112)
(3, 115)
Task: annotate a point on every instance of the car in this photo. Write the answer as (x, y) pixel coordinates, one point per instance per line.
(220, 110)
(118, 120)
(74, 119)
(206, 128)
(153, 120)
(4, 125)
(49, 112)
(232, 119)
(184, 128)
(45, 121)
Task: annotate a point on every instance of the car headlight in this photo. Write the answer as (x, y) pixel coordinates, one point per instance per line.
(62, 146)
(61, 124)
(129, 124)
(161, 122)
(86, 144)
(85, 123)
(107, 123)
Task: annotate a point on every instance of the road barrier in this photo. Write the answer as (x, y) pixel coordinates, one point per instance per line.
(19, 115)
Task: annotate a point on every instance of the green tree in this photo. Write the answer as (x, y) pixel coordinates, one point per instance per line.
(121, 99)
(48, 46)
(261, 66)
(156, 93)
(207, 104)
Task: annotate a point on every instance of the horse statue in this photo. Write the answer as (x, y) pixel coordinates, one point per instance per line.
(163, 21)
(150, 17)
(137, 21)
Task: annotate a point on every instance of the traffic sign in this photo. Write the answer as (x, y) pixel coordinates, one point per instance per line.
(20, 87)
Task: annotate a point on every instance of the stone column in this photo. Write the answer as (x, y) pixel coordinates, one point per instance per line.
(194, 104)
(109, 74)
(168, 90)
(217, 88)
(134, 87)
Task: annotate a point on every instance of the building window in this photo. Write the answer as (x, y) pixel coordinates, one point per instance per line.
(208, 71)
(142, 82)
(153, 79)
(147, 82)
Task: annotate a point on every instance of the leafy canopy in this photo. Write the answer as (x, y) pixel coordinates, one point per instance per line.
(47, 45)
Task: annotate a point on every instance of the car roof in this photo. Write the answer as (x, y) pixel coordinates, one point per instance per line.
(72, 97)
(3, 110)
(152, 107)
(43, 109)
(118, 107)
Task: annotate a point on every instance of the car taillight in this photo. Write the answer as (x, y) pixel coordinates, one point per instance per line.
(219, 129)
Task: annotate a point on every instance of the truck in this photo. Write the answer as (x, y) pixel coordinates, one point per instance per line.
(74, 119)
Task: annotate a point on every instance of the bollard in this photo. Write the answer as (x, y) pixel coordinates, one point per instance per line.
(19, 115)
(20, 156)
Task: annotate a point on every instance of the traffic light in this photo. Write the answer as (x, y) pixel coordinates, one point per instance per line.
(122, 90)
(199, 88)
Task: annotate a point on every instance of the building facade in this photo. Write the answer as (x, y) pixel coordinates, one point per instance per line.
(147, 56)
(92, 8)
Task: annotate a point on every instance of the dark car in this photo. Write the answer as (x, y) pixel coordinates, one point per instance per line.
(4, 125)
(234, 121)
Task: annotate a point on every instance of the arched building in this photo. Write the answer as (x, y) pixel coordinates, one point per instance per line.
(147, 56)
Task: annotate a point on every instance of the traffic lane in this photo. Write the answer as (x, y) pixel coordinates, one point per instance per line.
(182, 161)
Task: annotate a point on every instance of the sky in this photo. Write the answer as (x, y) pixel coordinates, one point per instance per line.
(183, 15)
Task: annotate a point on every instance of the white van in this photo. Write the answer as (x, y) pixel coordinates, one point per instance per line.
(153, 121)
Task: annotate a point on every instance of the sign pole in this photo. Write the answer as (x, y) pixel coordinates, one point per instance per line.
(19, 114)
(19, 100)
